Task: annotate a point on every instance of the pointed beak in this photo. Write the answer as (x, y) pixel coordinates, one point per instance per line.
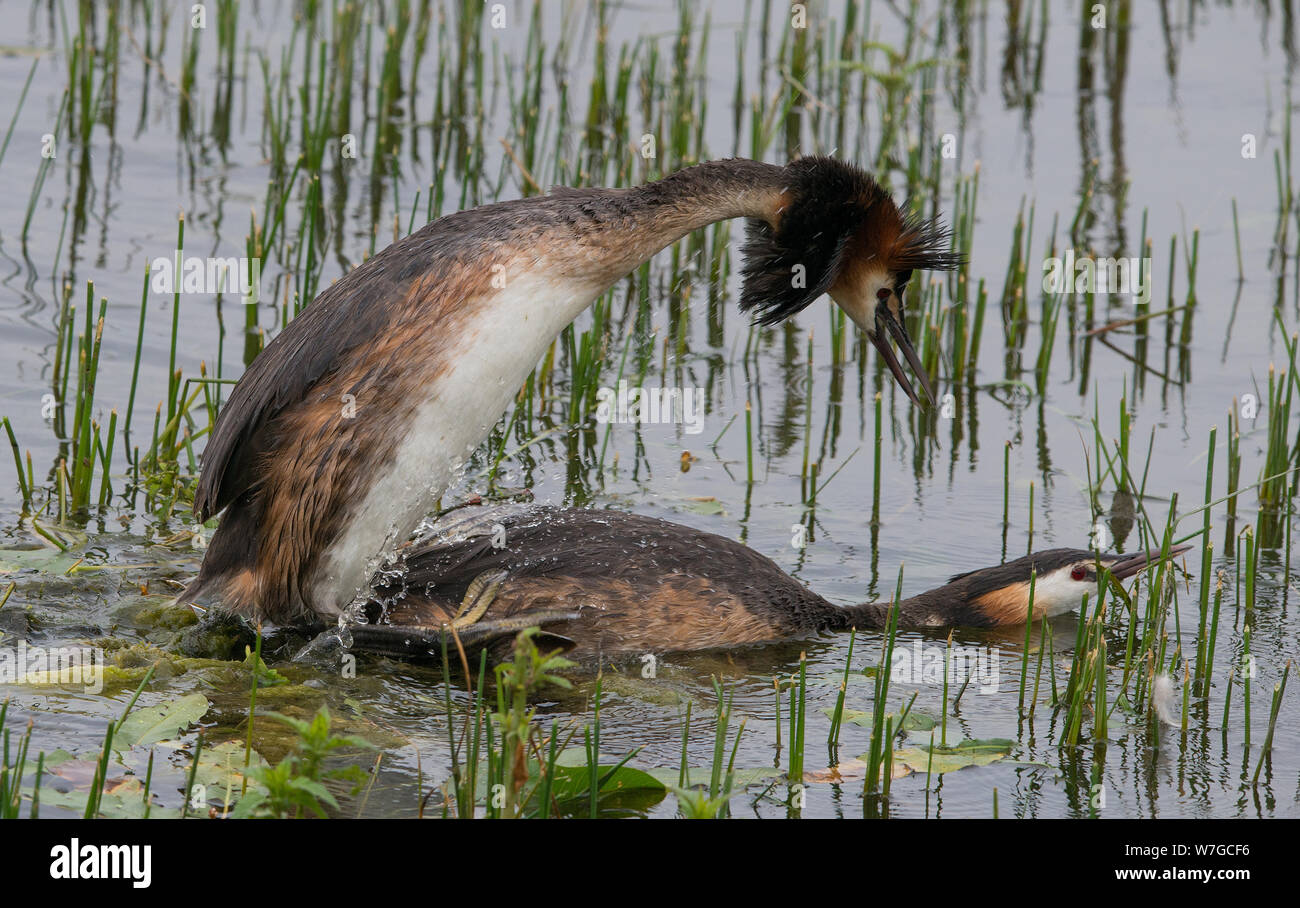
(1128, 565)
(886, 324)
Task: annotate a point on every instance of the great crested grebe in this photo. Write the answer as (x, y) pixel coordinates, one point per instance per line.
(605, 584)
(343, 432)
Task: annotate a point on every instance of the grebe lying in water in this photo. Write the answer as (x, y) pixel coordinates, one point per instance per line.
(611, 584)
(342, 434)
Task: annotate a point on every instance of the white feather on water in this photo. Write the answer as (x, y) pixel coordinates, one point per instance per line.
(1164, 700)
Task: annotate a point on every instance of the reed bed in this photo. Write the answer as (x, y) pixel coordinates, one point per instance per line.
(374, 118)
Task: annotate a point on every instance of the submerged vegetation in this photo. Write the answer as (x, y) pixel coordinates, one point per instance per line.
(347, 124)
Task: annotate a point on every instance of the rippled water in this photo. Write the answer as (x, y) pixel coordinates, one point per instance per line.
(1163, 115)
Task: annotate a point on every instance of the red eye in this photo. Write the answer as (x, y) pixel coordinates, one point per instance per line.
(883, 294)
(1078, 572)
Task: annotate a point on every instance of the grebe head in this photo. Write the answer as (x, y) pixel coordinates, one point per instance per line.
(1062, 578)
(837, 231)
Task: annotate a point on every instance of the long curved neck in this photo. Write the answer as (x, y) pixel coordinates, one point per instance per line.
(613, 231)
(714, 191)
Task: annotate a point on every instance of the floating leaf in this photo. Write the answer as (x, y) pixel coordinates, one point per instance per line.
(915, 721)
(958, 756)
(124, 799)
(221, 766)
(836, 678)
(45, 560)
(81, 774)
(851, 770)
(571, 783)
(156, 723)
(572, 779)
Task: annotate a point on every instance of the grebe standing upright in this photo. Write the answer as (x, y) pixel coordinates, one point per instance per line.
(607, 584)
(344, 431)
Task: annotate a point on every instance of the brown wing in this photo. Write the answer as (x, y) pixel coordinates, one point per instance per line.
(359, 307)
(343, 317)
(355, 310)
(591, 547)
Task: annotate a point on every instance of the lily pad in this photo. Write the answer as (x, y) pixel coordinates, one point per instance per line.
(571, 784)
(915, 721)
(572, 779)
(970, 752)
(851, 770)
(45, 560)
(837, 677)
(80, 774)
(221, 767)
(709, 507)
(157, 723)
(121, 799)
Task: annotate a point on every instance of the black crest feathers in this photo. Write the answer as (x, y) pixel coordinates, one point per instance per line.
(923, 245)
(786, 268)
(833, 210)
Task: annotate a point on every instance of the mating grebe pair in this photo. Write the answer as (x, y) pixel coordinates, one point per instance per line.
(608, 584)
(344, 432)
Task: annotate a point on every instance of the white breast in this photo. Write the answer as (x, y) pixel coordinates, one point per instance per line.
(500, 345)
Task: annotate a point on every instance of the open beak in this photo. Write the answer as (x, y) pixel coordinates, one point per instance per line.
(886, 324)
(1128, 565)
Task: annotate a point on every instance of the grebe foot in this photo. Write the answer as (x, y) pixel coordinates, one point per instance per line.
(479, 595)
(424, 640)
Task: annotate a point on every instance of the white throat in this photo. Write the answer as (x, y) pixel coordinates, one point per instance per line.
(1058, 593)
